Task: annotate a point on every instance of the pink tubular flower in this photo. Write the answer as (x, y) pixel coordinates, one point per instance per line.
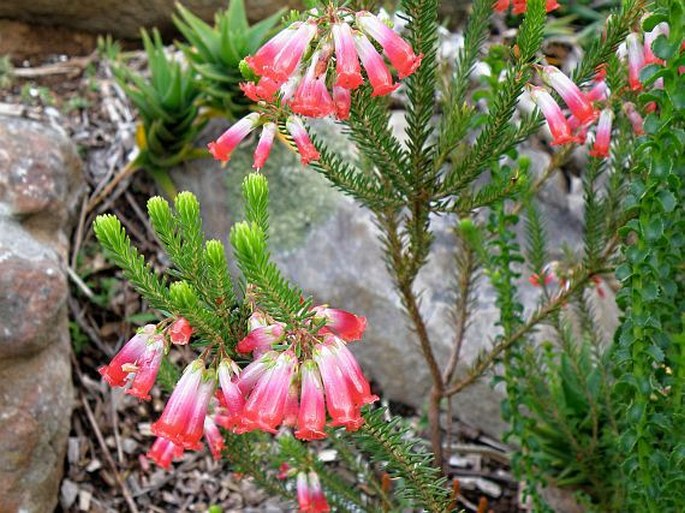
(551, 5)
(661, 29)
(292, 404)
(558, 126)
(636, 60)
(359, 387)
(304, 144)
(400, 53)
(312, 98)
(222, 148)
(339, 401)
(342, 98)
(319, 504)
(215, 441)
(148, 366)
(233, 400)
(251, 374)
(118, 370)
(180, 331)
(312, 415)
(303, 494)
(346, 325)
(634, 118)
(265, 406)
(264, 145)
(599, 92)
(603, 135)
(346, 61)
(378, 73)
(182, 420)
(261, 338)
(164, 451)
(287, 60)
(264, 57)
(577, 101)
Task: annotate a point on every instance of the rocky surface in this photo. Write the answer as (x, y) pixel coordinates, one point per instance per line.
(39, 184)
(124, 18)
(328, 245)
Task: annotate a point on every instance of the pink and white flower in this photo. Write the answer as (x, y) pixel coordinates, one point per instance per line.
(223, 147)
(312, 414)
(346, 325)
(378, 73)
(164, 451)
(603, 135)
(636, 60)
(577, 101)
(304, 144)
(400, 53)
(265, 406)
(233, 399)
(339, 401)
(182, 420)
(121, 366)
(215, 441)
(266, 141)
(147, 368)
(342, 98)
(279, 60)
(346, 60)
(557, 123)
(312, 98)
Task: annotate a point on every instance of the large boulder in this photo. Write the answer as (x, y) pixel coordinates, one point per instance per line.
(39, 185)
(124, 18)
(329, 245)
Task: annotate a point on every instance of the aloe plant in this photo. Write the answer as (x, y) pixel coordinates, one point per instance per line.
(215, 53)
(167, 102)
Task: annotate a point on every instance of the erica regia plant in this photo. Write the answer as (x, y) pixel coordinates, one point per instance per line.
(273, 371)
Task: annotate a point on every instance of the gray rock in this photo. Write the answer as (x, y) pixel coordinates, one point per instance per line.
(124, 18)
(40, 182)
(329, 245)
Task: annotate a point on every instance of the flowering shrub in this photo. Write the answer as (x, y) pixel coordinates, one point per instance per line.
(271, 362)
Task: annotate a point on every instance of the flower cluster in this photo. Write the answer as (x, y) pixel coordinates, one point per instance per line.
(138, 362)
(297, 374)
(581, 104)
(315, 373)
(310, 69)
